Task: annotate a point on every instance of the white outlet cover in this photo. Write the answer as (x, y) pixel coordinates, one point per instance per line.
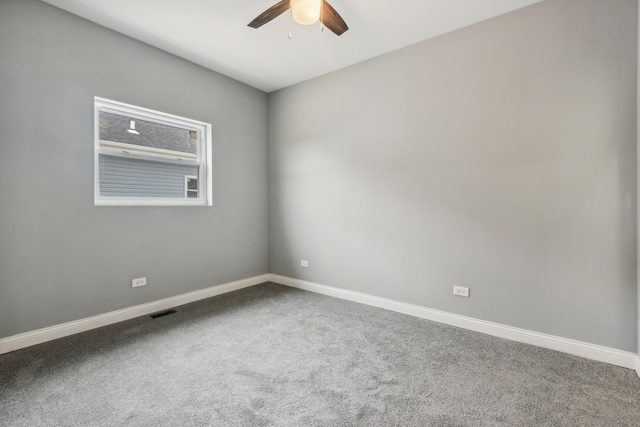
(461, 291)
(304, 263)
(140, 281)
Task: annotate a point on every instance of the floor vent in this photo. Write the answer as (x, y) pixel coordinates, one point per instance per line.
(163, 313)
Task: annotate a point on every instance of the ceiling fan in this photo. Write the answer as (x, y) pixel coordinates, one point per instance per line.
(305, 12)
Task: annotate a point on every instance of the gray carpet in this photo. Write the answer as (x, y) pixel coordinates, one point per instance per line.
(275, 356)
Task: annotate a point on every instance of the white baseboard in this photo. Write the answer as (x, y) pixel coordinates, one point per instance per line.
(590, 351)
(39, 336)
(578, 348)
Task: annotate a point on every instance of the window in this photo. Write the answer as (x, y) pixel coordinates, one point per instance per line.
(145, 157)
(191, 187)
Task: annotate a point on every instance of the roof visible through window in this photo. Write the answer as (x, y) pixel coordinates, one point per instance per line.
(114, 127)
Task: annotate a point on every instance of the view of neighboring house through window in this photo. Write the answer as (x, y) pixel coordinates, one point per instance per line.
(146, 157)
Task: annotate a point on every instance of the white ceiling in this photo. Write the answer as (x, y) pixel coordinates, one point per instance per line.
(214, 33)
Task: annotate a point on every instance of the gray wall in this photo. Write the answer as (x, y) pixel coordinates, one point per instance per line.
(501, 157)
(61, 258)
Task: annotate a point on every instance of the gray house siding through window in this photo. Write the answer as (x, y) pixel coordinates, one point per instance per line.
(126, 177)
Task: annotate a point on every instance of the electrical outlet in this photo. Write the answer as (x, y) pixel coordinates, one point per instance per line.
(140, 281)
(304, 263)
(461, 291)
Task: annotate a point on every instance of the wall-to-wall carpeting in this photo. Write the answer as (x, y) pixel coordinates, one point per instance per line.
(274, 356)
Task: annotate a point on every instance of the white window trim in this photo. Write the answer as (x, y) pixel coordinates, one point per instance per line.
(160, 153)
(205, 190)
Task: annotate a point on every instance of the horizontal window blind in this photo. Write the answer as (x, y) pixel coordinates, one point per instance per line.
(127, 177)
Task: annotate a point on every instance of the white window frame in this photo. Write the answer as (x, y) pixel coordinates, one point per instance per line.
(203, 157)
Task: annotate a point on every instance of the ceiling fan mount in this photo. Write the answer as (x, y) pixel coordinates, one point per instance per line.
(305, 12)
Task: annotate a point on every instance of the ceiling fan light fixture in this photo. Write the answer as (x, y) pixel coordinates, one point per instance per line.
(306, 12)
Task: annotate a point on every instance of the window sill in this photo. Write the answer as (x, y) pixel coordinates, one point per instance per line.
(149, 202)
